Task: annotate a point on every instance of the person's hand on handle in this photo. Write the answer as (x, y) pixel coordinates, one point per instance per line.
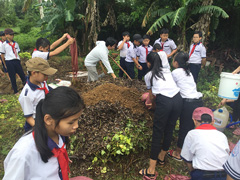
(222, 103)
(114, 76)
(65, 36)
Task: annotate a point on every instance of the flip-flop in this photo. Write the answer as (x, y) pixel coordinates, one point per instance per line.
(147, 176)
(160, 162)
(170, 154)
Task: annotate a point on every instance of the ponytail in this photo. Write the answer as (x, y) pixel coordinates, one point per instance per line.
(182, 59)
(59, 103)
(156, 66)
(41, 135)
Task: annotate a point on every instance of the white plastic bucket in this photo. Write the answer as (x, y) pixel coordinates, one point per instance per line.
(229, 86)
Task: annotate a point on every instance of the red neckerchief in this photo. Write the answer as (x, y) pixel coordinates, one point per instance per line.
(162, 44)
(13, 48)
(206, 126)
(146, 52)
(35, 49)
(62, 157)
(128, 45)
(194, 46)
(44, 88)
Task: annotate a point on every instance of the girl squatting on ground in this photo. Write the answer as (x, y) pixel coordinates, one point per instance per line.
(41, 153)
(168, 108)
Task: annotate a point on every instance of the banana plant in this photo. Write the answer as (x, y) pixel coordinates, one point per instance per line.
(179, 14)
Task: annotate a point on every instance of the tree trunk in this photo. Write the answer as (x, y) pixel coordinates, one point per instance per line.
(204, 22)
(41, 9)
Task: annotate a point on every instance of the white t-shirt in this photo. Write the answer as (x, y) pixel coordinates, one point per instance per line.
(206, 147)
(168, 46)
(232, 166)
(100, 52)
(143, 52)
(24, 161)
(198, 54)
(40, 54)
(123, 51)
(1, 43)
(163, 57)
(29, 98)
(8, 51)
(132, 52)
(188, 88)
(165, 87)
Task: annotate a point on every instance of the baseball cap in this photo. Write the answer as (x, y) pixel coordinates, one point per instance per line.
(8, 31)
(198, 112)
(137, 37)
(40, 65)
(2, 33)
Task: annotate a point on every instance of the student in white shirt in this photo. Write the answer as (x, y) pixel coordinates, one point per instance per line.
(167, 44)
(11, 60)
(197, 55)
(46, 50)
(144, 50)
(205, 149)
(35, 89)
(191, 99)
(99, 53)
(3, 39)
(160, 83)
(123, 46)
(232, 166)
(133, 55)
(41, 154)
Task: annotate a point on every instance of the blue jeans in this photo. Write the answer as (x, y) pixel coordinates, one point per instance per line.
(195, 69)
(197, 174)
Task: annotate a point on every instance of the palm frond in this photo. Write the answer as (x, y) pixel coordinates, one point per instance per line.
(148, 14)
(215, 10)
(161, 12)
(178, 16)
(159, 22)
(188, 2)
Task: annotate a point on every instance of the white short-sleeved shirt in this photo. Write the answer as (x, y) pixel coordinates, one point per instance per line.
(164, 59)
(40, 54)
(123, 51)
(206, 147)
(8, 51)
(24, 161)
(132, 52)
(143, 53)
(100, 52)
(29, 98)
(168, 46)
(198, 54)
(232, 166)
(1, 43)
(165, 87)
(187, 85)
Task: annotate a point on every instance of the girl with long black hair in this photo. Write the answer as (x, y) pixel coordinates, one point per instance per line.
(160, 83)
(41, 154)
(191, 99)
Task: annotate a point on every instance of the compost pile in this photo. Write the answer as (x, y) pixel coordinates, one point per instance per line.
(109, 105)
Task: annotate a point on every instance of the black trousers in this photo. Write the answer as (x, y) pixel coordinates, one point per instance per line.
(166, 114)
(130, 69)
(186, 121)
(123, 65)
(236, 109)
(195, 69)
(14, 67)
(143, 72)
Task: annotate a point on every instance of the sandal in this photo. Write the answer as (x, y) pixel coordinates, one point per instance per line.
(160, 162)
(170, 154)
(147, 176)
